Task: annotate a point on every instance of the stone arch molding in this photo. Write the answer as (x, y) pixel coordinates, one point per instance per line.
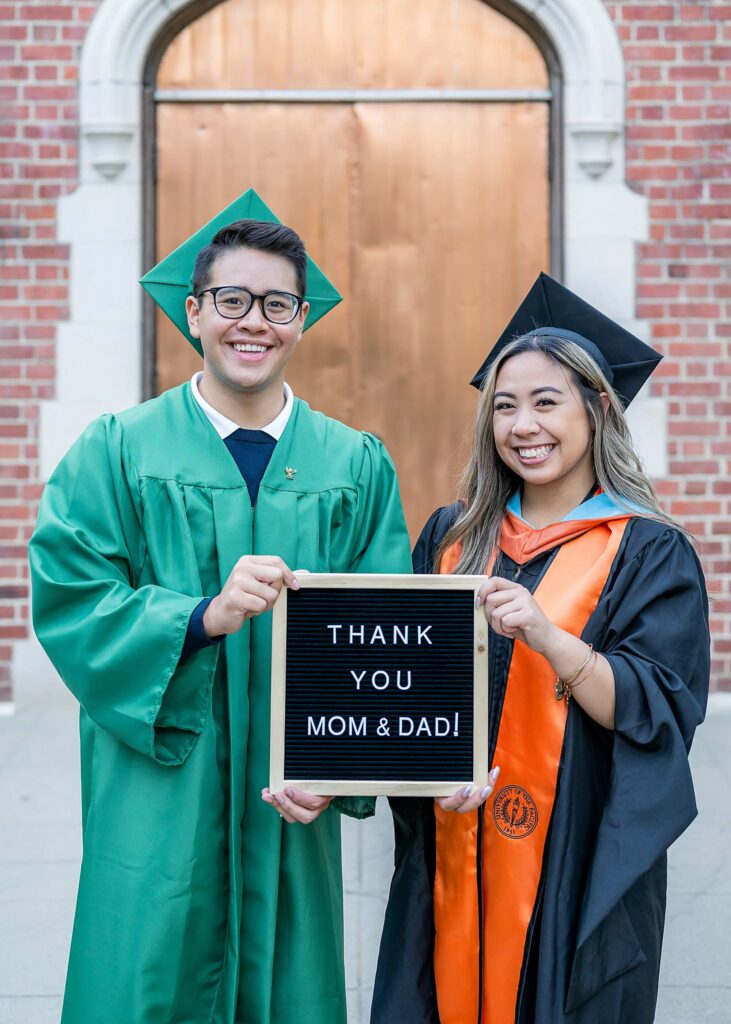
(120, 35)
(99, 350)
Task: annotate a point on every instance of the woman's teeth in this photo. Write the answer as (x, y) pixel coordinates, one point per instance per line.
(250, 348)
(536, 453)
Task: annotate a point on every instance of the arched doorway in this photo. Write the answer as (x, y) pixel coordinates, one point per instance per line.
(409, 143)
(109, 220)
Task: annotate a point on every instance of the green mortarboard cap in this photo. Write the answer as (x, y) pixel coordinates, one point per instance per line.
(169, 282)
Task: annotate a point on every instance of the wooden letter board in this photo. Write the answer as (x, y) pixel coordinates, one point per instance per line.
(379, 685)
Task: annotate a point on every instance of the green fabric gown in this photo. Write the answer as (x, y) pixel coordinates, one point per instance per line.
(196, 902)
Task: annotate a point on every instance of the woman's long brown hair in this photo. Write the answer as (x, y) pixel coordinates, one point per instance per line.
(487, 484)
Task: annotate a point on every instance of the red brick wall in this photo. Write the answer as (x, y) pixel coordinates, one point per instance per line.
(678, 65)
(39, 50)
(678, 58)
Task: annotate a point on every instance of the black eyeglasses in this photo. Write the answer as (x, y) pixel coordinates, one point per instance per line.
(233, 303)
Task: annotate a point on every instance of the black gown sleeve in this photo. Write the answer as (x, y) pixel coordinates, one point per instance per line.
(435, 529)
(404, 990)
(653, 629)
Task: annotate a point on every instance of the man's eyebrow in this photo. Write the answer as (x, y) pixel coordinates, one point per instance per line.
(535, 391)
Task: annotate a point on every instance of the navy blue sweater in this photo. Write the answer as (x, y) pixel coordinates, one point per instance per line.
(251, 450)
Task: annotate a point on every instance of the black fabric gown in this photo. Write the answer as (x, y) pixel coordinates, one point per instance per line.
(593, 947)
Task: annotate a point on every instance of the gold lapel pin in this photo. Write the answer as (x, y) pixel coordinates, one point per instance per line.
(290, 473)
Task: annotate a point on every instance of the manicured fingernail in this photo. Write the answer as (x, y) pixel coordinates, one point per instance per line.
(290, 793)
(478, 601)
(467, 791)
(295, 584)
(495, 772)
(485, 792)
(279, 798)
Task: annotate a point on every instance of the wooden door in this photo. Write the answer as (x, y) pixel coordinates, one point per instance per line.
(427, 208)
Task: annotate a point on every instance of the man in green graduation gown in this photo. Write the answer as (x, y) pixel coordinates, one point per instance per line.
(198, 903)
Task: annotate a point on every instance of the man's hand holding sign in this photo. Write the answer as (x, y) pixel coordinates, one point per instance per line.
(379, 686)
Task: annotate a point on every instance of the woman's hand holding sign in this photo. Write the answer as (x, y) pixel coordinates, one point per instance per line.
(512, 611)
(471, 797)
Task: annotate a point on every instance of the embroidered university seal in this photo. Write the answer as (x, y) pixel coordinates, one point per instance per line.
(514, 812)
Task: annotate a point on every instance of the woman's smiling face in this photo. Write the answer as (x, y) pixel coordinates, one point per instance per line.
(541, 424)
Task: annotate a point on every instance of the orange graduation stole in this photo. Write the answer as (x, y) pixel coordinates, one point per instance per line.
(517, 816)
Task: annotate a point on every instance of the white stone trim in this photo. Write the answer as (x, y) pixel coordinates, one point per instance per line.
(112, 65)
(591, 57)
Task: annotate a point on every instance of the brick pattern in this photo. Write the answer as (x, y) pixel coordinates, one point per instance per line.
(678, 64)
(678, 58)
(39, 52)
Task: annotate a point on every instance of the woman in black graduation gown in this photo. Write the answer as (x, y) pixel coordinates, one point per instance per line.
(543, 900)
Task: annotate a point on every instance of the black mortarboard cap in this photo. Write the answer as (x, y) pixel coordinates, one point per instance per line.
(549, 308)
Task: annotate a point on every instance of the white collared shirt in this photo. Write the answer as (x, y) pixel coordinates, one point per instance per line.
(224, 426)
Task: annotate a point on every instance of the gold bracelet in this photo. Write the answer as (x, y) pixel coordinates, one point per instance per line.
(582, 679)
(563, 686)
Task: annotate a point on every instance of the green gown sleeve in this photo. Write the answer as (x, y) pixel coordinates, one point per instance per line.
(382, 539)
(115, 641)
(382, 546)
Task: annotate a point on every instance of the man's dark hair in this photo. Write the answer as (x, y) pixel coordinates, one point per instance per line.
(251, 234)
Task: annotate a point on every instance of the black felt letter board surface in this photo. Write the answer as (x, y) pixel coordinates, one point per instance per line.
(381, 686)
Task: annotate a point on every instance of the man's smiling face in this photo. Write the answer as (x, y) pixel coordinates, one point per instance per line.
(249, 355)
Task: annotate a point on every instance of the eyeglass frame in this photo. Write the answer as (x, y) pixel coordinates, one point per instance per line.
(299, 300)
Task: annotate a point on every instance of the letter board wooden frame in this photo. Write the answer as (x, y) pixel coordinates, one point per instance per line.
(379, 685)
